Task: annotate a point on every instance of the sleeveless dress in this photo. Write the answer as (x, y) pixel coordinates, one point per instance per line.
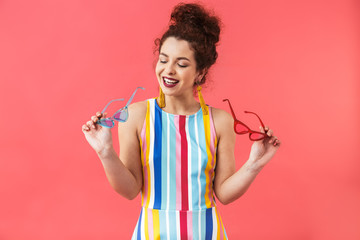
(178, 156)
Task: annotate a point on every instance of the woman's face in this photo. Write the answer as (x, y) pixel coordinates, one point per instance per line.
(176, 67)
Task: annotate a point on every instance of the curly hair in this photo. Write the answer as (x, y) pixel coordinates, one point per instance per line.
(191, 22)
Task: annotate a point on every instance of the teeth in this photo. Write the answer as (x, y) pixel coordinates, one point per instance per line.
(168, 81)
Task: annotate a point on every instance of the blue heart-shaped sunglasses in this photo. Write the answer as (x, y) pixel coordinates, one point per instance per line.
(121, 115)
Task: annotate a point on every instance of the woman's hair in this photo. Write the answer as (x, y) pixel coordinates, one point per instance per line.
(191, 22)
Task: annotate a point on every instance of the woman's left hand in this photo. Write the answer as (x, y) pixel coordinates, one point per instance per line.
(263, 150)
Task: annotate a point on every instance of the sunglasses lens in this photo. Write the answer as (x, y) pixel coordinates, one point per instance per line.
(121, 116)
(106, 122)
(256, 136)
(241, 129)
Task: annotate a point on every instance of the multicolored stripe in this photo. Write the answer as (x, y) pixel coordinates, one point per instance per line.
(178, 155)
(166, 224)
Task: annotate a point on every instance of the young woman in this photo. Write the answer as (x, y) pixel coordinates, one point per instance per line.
(177, 151)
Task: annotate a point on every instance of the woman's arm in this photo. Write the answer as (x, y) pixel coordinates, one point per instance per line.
(230, 184)
(123, 172)
(121, 177)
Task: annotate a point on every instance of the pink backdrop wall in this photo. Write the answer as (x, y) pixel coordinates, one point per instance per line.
(296, 63)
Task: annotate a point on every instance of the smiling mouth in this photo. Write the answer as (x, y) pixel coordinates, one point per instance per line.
(170, 82)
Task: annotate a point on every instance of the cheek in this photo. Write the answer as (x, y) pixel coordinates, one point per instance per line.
(190, 76)
(159, 67)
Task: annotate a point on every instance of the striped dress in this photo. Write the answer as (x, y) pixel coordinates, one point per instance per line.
(178, 155)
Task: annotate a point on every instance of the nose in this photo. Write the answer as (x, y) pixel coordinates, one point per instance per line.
(170, 69)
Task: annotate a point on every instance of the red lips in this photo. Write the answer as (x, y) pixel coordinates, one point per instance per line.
(171, 83)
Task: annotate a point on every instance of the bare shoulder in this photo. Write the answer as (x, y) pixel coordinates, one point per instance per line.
(137, 113)
(223, 121)
(138, 108)
(221, 115)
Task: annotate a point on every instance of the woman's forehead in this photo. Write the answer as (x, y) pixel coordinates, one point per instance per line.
(173, 47)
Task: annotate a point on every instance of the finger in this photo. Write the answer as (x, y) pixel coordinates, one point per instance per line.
(90, 124)
(276, 142)
(266, 128)
(85, 128)
(270, 132)
(94, 119)
(99, 114)
(272, 139)
(262, 129)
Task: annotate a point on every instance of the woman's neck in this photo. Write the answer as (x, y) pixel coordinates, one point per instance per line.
(181, 105)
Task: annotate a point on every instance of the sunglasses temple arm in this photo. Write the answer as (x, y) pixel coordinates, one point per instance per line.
(132, 96)
(232, 111)
(120, 99)
(262, 124)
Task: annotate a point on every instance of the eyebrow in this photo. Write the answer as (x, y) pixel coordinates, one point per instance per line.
(179, 58)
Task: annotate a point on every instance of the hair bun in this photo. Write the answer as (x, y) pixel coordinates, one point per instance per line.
(194, 18)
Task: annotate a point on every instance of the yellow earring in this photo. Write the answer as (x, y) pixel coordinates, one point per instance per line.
(161, 99)
(202, 102)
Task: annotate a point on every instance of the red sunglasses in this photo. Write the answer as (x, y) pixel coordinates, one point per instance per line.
(241, 128)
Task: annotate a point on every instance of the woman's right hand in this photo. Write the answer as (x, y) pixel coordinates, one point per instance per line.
(98, 137)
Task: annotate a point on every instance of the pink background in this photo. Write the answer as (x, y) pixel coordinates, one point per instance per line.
(295, 63)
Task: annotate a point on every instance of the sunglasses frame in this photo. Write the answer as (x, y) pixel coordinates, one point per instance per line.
(236, 122)
(125, 108)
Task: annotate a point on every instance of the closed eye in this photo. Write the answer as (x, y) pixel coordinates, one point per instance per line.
(180, 65)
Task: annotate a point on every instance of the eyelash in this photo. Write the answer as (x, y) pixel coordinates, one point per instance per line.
(182, 66)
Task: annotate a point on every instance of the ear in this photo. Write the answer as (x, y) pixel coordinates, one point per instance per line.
(201, 74)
